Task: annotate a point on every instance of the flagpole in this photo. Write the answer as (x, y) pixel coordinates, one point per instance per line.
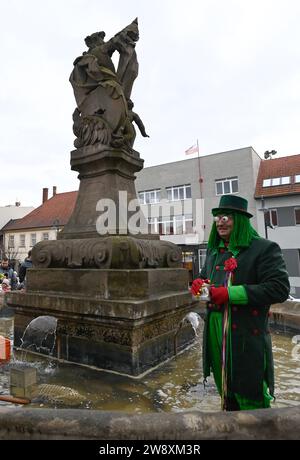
(200, 184)
(199, 170)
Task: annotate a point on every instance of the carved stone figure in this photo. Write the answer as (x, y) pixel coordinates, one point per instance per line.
(134, 117)
(102, 115)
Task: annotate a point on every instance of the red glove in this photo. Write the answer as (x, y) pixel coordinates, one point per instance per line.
(219, 295)
(197, 284)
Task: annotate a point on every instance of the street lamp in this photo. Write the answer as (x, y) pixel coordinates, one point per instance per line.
(268, 154)
(55, 226)
(266, 221)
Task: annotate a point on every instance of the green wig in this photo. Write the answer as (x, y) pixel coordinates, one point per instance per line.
(242, 234)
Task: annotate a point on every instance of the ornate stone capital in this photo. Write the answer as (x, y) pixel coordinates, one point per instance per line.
(113, 252)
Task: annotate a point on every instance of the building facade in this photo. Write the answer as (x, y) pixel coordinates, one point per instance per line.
(43, 223)
(191, 188)
(9, 213)
(278, 210)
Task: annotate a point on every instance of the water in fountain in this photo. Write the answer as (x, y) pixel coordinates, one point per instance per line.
(40, 335)
(194, 319)
(174, 386)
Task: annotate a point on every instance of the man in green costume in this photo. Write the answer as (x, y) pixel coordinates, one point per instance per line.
(246, 274)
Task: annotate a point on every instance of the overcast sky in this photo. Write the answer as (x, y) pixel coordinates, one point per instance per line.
(226, 72)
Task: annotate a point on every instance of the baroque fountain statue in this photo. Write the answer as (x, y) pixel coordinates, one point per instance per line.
(104, 108)
(117, 291)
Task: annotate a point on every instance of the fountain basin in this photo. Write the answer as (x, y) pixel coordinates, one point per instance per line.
(126, 322)
(168, 403)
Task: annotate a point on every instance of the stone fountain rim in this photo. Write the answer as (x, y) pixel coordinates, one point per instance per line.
(262, 424)
(53, 424)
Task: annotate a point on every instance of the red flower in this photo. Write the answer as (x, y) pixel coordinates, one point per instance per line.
(230, 264)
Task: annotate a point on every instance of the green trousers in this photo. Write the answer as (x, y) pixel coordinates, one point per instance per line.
(215, 349)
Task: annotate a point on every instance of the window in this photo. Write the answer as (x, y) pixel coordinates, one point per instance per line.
(169, 227)
(22, 241)
(11, 241)
(201, 257)
(227, 186)
(297, 216)
(297, 178)
(219, 188)
(274, 217)
(267, 183)
(32, 239)
(235, 186)
(188, 224)
(276, 181)
(45, 236)
(165, 226)
(285, 180)
(182, 192)
(187, 260)
(271, 218)
(179, 225)
(273, 181)
(176, 225)
(149, 196)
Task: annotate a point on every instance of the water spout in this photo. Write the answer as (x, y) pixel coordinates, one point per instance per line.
(40, 334)
(191, 318)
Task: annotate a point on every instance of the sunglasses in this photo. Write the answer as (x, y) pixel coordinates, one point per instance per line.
(222, 219)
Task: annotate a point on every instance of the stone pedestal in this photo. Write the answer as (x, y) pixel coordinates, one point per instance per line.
(23, 381)
(105, 174)
(121, 320)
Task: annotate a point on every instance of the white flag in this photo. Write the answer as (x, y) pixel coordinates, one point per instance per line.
(193, 149)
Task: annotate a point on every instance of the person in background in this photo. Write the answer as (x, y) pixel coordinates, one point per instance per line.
(245, 275)
(5, 285)
(23, 269)
(8, 272)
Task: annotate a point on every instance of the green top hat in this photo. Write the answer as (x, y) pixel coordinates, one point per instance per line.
(232, 203)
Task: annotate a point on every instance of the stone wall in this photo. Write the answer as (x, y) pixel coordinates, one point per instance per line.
(286, 314)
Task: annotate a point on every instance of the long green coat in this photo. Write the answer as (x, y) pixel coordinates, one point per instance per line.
(262, 272)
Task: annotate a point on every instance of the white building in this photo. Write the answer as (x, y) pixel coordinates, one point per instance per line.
(43, 223)
(8, 213)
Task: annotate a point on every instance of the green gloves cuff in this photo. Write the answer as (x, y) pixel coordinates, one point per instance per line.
(237, 295)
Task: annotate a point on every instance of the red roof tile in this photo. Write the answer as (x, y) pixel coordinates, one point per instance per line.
(59, 207)
(279, 167)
